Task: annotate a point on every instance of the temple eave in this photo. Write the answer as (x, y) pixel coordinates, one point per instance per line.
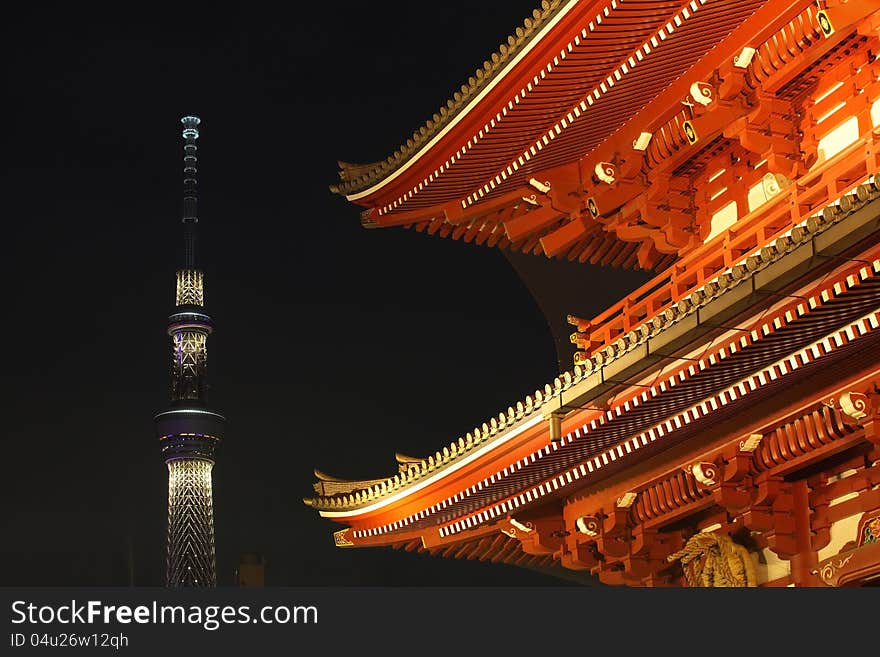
(590, 381)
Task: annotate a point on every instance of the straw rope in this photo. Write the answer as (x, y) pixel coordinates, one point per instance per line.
(715, 560)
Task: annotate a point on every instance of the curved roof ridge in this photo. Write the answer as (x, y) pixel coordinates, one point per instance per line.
(356, 177)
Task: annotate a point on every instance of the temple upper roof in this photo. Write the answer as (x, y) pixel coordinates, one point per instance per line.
(565, 125)
(563, 83)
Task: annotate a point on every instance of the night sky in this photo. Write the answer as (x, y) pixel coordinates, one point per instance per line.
(335, 346)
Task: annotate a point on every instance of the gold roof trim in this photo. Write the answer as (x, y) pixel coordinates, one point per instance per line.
(355, 177)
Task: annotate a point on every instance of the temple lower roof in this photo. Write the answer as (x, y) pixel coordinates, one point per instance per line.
(844, 299)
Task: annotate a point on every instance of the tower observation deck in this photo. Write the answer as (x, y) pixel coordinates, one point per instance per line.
(188, 430)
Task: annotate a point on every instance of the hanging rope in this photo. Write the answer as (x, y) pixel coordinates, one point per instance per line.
(711, 560)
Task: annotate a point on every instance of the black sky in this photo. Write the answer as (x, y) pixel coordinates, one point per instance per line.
(335, 345)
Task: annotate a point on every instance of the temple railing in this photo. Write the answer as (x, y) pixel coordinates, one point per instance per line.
(826, 183)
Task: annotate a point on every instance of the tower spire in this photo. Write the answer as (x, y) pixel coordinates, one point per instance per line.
(190, 188)
(190, 280)
(189, 432)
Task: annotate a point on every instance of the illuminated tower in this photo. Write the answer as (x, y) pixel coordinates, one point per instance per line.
(188, 431)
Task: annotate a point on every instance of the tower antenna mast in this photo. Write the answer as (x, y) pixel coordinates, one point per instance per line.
(190, 188)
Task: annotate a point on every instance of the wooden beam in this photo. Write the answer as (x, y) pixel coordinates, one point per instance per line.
(530, 222)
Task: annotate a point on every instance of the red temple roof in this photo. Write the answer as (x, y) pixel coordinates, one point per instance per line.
(579, 79)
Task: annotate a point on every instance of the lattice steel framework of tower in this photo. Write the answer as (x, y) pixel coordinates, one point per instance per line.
(188, 431)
